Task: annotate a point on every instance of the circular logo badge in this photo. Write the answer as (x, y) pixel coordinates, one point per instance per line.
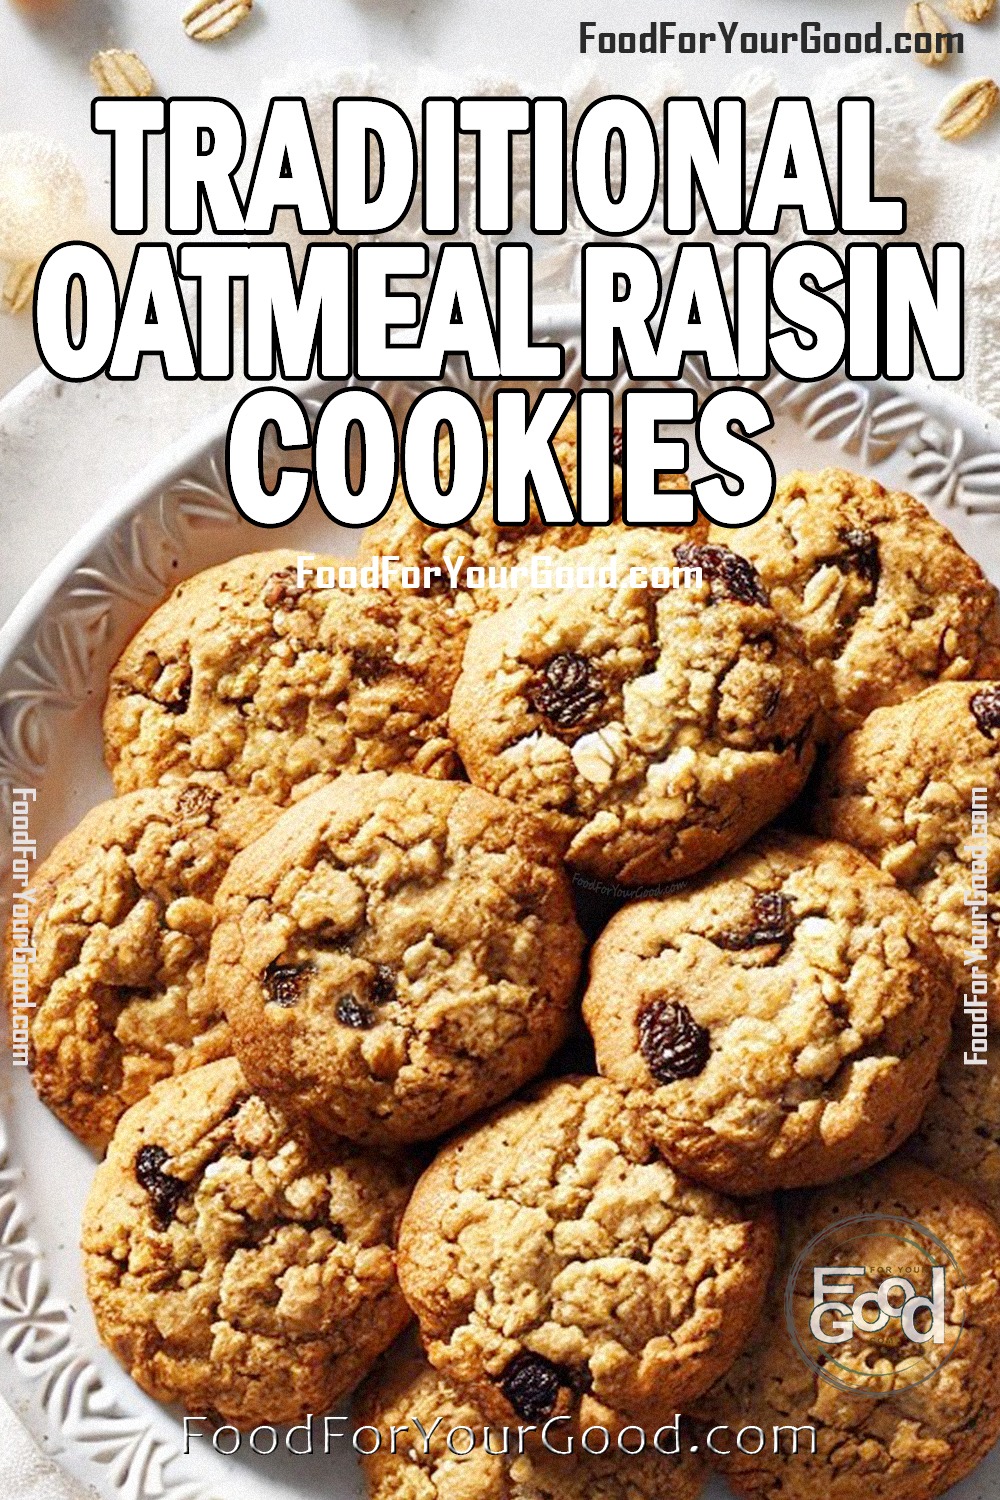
(870, 1304)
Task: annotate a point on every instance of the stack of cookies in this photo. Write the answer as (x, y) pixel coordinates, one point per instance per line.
(315, 983)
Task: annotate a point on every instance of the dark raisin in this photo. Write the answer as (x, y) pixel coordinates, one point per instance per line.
(351, 1012)
(371, 666)
(616, 445)
(165, 1192)
(195, 800)
(772, 914)
(383, 986)
(985, 706)
(282, 590)
(771, 922)
(580, 1379)
(862, 554)
(531, 1385)
(672, 1042)
(283, 982)
(570, 690)
(729, 575)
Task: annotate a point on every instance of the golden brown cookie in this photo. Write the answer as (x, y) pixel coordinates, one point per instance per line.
(121, 927)
(780, 1023)
(241, 671)
(238, 1260)
(480, 543)
(396, 954)
(558, 1267)
(656, 721)
(904, 787)
(925, 1412)
(448, 1464)
(884, 596)
(959, 1135)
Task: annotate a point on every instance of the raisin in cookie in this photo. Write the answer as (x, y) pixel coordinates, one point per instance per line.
(925, 1413)
(558, 1267)
(396, 954)
(480, 543)
(884, 596)
(406, 1391)
(902, 787)
(121, 928)
(780, 1023)
(656, 727)
(242, 671)
(960, 1132)
(237, 1259)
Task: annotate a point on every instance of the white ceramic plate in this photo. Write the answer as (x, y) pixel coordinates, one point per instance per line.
(55, 655)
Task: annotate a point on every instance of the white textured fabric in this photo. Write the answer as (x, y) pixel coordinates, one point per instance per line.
(25, 1474)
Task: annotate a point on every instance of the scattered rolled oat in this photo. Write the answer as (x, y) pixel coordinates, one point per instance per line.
(970, 10)
(921, 17)
(597, 755)
(121, 74)
(19, 285)
(208, 20)
(967, 108)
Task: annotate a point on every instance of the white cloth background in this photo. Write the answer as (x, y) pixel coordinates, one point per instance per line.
(953, 193)
(25, 1473)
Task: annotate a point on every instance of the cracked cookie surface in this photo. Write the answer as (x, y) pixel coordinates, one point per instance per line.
(480, 542)
(779, 1024)
(655, 727)
(901, 788)
(409, 1390)
(959, 1135)
(121, 929)
(397, 953)
(559, 1267)
(241, 671)
(915, 1440)
(885, 598)
(238, 1260)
